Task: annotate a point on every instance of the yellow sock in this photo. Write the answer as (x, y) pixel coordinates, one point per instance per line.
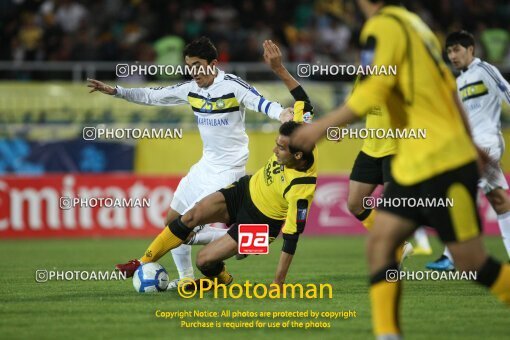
(384, 297)
(501, 287)
(164, 242)
(224, 277)
(400, 253)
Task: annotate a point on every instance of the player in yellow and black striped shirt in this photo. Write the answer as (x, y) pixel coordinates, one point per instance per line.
(279, 195)
(422, 95)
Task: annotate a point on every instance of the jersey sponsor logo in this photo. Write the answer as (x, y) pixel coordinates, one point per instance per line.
(253, 239)
(272, 168)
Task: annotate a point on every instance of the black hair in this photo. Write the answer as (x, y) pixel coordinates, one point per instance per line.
(286, 129)
(463, 38)
(202, 48)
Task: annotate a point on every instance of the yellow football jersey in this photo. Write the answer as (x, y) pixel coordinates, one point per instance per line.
(419, 96)
(284, 194)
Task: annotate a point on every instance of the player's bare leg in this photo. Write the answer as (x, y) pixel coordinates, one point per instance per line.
(210, 258)
(357, 193)
(385, 238)
(470, 255)
(500, 202)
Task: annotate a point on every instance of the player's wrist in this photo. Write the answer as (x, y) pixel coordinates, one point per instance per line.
(279, 69)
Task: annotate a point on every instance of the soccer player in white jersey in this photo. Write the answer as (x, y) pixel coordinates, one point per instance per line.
(482, 90)
(218, 101)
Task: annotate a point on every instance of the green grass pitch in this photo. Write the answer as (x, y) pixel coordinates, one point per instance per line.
(113, 310)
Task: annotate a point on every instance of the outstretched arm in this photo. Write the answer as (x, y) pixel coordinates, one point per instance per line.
(160, 96)
(273, 57)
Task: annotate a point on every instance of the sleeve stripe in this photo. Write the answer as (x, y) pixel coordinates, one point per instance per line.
(300, 180)
(494, 76)
(238, 81)
(266, 110)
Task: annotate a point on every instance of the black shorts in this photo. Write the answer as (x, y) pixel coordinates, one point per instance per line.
(455, 222)
(241, 209)
(371, 170)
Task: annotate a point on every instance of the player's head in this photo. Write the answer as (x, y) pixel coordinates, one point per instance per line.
(460, 47)
(202, 56)
(288, 155)
(370, 7)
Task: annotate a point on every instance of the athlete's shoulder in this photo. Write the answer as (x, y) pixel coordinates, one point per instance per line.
(184, 85)
(232, 79)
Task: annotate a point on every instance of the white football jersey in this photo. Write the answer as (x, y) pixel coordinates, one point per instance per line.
(481, 89)
(219, 110)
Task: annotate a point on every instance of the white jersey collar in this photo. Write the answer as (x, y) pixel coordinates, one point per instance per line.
(473, 63)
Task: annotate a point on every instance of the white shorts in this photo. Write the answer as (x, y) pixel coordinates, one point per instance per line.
(203, 179)
(493, 177)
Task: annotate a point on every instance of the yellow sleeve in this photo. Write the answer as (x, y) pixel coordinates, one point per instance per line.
(300, 199)
(383, 43)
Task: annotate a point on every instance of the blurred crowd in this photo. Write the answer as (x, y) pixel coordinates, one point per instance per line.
(157, 30)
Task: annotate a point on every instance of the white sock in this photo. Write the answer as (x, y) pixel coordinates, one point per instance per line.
(504, 227)
(447, 254)
(421, 238)
(182, 259)
(207, 234)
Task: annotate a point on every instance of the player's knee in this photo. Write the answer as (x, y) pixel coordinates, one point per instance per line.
(170, 216)
(192, 217)
(380, 244)
(354, 206)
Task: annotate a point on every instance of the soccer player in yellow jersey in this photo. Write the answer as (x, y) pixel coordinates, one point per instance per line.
(422, 95)
(278, 194)
(372, 168)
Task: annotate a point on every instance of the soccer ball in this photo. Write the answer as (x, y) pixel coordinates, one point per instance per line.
(150, 277)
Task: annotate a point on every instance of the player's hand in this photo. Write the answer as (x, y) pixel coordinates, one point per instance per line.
(97, 85)
(272, 55)
(287, 115)
(305, 136)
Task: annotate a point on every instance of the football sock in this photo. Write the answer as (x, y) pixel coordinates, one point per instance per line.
(421, 238)
(504, 227)
(385, 300)
(496, 277)
(207, 234)
(224, 276)
(182, 259)
(171, 237)
(366, 218)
